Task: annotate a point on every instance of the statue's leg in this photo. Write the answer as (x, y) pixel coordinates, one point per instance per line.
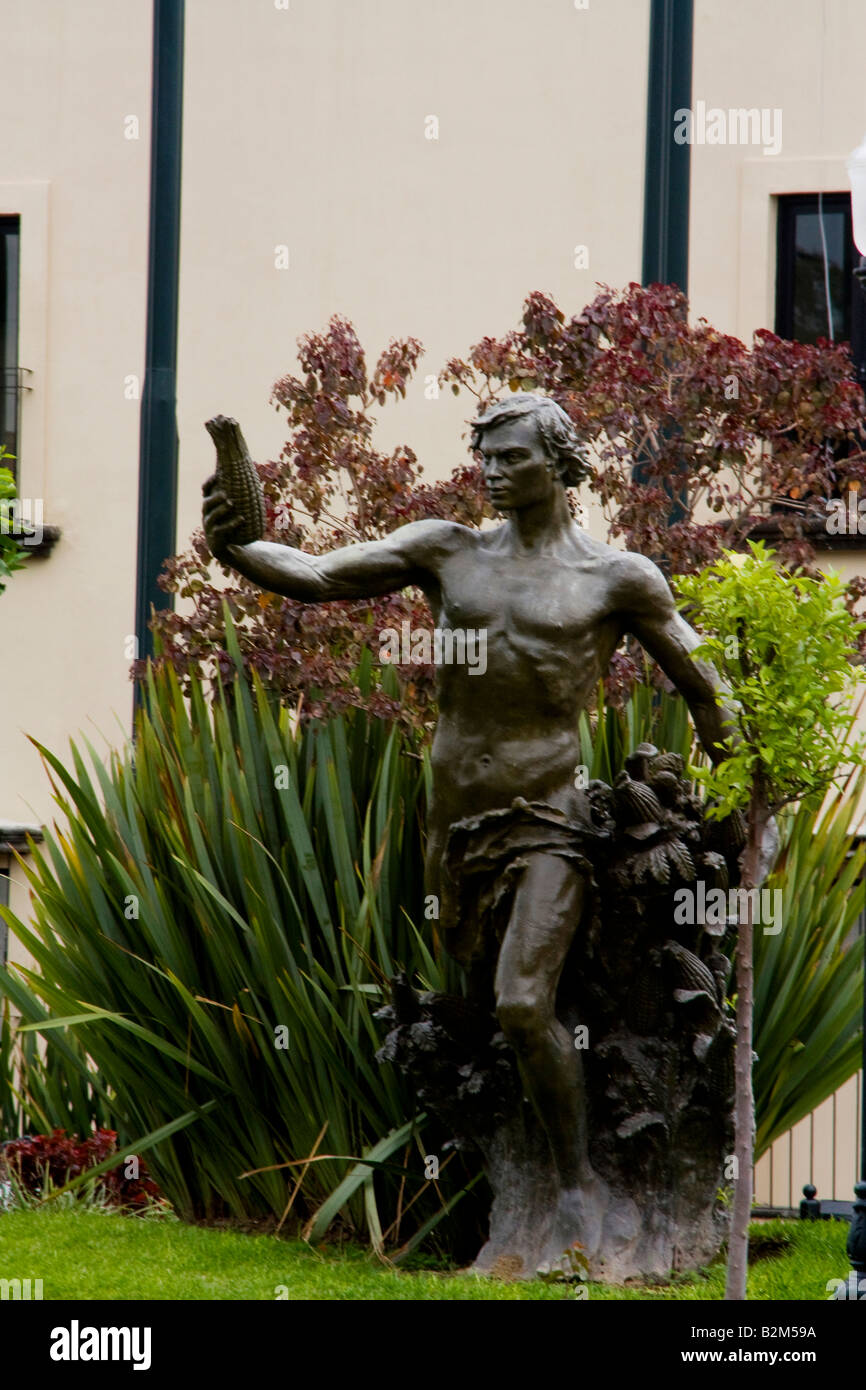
(545, 914)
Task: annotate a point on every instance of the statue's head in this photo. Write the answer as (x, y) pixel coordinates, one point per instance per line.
(527, 444)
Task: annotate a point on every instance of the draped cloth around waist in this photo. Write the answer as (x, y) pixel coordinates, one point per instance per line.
(485, 857)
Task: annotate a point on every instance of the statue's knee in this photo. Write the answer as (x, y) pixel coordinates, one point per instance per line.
(521, 1020)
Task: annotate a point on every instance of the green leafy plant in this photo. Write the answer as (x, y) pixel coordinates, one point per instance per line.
(191, 902)
(52, 1087)
(809, 976)
(783, 644)
(215, 926)
(12, 555)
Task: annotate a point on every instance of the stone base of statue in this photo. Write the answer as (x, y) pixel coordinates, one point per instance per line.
(642, 994)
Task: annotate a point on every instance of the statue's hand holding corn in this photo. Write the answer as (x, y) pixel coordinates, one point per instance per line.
(234, 507)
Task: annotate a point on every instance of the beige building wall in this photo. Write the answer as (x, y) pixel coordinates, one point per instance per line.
(804, 60)
(71, 75)
(306, 128)
(319, 143)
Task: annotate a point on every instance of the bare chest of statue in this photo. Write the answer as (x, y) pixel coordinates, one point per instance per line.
(546, 623)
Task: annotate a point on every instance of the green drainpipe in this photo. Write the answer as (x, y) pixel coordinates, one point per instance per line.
(667, 167)
(157, 486)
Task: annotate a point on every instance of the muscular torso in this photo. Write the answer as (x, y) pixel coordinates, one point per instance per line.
(551, 629)
(552, 608)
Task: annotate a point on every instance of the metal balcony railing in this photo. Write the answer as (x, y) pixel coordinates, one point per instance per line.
(12, 385)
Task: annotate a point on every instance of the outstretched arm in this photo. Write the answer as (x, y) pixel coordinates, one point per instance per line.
(409, 555)
(649, 612)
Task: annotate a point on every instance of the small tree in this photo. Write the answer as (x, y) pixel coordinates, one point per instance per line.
(12, 556)
(783, 644)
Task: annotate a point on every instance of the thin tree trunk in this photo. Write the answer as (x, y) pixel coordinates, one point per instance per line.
(744, 1109)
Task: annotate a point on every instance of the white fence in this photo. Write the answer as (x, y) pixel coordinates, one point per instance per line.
(824, 1149)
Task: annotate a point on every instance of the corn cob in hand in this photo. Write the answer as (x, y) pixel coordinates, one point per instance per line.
(243, 521)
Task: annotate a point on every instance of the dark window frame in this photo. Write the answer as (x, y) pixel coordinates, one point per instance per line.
(10, 373)
(789, 206)
(12, 838)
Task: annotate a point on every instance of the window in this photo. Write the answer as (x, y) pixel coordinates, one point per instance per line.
(12, 837)
(9, 375)
(816, 257)
(817, 295)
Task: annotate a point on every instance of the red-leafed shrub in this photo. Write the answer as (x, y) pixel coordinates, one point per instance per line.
(41, 1162)
(329, 487)
(698, 439)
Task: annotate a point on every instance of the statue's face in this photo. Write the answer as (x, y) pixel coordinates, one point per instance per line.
(516, 465)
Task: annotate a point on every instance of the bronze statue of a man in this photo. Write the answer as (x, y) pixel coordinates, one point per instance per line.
(554, 604)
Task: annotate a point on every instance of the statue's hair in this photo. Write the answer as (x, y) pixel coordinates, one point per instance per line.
(571, 459)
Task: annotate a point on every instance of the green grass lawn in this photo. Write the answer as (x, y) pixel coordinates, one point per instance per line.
(81, 1253)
